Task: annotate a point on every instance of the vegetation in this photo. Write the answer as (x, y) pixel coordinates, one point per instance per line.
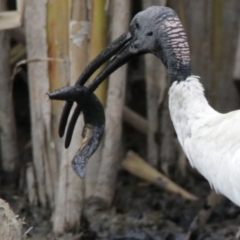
(48, 48)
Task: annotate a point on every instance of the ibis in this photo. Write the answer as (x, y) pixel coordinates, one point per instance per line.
(210, 140)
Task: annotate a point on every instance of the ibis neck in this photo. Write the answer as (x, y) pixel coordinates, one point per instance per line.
(175, 52)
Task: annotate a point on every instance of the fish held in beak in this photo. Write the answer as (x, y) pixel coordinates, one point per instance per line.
(94, 123)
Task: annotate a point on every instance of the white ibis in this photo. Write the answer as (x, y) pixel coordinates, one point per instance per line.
(210, 140)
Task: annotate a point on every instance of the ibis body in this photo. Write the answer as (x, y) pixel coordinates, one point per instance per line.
(210, 140)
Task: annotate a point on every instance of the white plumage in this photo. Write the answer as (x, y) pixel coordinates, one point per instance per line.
(210, 140)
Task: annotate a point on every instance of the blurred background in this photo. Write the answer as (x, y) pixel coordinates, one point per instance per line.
(139, 184)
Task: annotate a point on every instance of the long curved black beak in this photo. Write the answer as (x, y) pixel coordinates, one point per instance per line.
(121, 49)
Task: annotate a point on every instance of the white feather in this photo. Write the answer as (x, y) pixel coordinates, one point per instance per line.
(210, 140)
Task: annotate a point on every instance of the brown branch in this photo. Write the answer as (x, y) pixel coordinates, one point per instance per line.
(116, 94)
(138, 167)
(8, 135)
(65, 39)
(98, 43)
(31, 185)
(43, 152)
(135, 120)
(31, 60)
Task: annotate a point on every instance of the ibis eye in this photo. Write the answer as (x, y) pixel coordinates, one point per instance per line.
(149, 33)
(137, 25)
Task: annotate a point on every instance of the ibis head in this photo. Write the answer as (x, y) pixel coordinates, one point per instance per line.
(156, 30)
